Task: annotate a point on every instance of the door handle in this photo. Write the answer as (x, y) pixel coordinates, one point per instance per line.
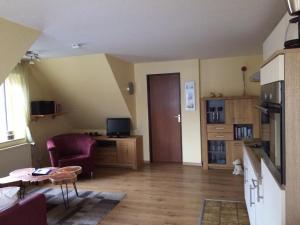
(220, 128)
(256, 185)
(251, 202)
(219, 136)
(178, 118)
(263, 109)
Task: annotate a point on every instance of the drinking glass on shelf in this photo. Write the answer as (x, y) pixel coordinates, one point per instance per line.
(212, 113)
(219, 110)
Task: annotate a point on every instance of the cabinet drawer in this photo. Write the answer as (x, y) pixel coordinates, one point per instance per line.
(220, 136)
(105, 157)
(212, 128)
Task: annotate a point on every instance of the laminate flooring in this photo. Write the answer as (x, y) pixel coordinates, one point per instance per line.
(163, 194)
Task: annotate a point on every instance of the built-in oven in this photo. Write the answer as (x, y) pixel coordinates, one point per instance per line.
(272, 125)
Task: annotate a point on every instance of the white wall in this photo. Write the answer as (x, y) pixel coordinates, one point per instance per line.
(276, 39)
(189, 70)
(16, 157)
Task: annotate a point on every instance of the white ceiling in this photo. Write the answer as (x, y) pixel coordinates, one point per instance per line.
(148, 30)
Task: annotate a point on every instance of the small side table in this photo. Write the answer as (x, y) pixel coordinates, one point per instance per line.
(64, 178)
(71, 169)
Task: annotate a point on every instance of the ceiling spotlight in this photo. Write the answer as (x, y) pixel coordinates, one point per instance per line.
(32, 56)
(77, 45)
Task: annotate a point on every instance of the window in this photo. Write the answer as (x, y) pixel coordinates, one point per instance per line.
(11, 111)
(3, 119)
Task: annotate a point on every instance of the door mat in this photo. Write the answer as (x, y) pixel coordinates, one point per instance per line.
(222, 212)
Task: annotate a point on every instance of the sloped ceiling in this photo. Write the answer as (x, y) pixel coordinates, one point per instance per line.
(85, 86)
(124, 73)
(15, 40)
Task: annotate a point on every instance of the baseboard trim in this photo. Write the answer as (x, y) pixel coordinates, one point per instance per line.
(184, 163)
(191, 164)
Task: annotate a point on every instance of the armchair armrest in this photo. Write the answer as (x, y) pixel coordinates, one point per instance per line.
(29, 211)
(53, 152)
(91, 147)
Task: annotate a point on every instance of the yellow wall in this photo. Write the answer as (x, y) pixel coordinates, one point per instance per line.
(124, 73)
(86, 87)
(47, 127)
(15, 40)
(189, 70)
(223, 75)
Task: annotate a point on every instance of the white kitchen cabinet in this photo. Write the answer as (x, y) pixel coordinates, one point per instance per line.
(264, 198)
(249, 188)
(274, 199)
(259, 204)
(273, 71)
(246, 181)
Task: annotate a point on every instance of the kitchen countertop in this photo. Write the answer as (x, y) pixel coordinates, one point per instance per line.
(256, 154)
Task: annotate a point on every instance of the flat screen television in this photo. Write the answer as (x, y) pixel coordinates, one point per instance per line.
(119, 127)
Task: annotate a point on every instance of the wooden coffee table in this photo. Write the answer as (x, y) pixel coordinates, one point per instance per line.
(57, 176)
(25, 175)
(11, 181)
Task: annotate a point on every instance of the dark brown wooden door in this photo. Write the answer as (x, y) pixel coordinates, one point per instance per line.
(164, 109)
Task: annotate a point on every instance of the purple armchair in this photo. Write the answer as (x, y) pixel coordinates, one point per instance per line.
(72, 150)
(30, 211)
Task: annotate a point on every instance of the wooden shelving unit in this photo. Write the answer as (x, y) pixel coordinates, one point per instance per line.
(225, 123)
(53, 116)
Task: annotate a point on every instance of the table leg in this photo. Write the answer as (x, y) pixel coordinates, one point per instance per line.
(74, 184)
(63, 195)
(22, 191)
(67, 195)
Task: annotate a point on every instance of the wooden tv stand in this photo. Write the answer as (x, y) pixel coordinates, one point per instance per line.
(119, 152)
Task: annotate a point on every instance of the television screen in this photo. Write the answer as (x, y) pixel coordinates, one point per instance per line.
(118, 127)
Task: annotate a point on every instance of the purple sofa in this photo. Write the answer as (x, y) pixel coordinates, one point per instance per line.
(29, 211)
(72, 150)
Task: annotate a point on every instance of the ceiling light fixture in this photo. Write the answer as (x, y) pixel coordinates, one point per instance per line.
(77, 45)
(32, 56)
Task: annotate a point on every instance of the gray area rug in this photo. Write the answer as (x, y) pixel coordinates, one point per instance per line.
(87, 209)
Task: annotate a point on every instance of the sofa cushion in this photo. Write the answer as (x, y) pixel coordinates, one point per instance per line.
(8, 197)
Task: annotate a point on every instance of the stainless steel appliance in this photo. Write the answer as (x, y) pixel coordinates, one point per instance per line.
(292, 39)
(293, 7)
(272, 124)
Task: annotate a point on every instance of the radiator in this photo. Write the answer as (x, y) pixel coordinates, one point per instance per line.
(15, 157)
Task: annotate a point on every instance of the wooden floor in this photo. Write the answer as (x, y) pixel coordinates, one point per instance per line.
(163, 194)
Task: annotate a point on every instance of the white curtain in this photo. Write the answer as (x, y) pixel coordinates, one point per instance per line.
(18, 110)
